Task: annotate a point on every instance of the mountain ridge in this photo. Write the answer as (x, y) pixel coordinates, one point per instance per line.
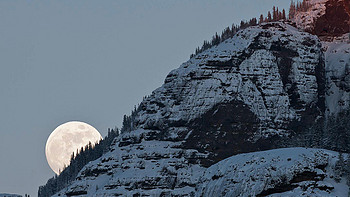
(168, 141)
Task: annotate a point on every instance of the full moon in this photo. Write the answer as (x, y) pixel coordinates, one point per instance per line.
(65, 140)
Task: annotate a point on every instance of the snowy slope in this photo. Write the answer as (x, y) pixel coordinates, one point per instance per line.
(337, 55)
(138, 164)
(280, 172)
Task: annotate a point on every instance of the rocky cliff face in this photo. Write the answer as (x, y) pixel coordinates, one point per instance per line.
(263, 83)
(330, 21)
(326, 18)
(337, 55)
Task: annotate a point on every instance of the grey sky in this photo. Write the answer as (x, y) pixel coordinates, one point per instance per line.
(91, 61)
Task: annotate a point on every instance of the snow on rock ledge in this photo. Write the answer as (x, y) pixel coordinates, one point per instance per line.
(280, 172)
(153, 168)
(136, 165)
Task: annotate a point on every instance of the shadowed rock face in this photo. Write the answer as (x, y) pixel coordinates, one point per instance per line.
(225, 130)
(335, 21)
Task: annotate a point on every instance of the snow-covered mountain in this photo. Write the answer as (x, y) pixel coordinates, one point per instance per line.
(199, 133)
(236, 97)
(154, 168)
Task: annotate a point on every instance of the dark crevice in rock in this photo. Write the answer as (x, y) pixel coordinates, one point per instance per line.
(320, 74)
(278, 189)
(225, 130)
(286, 185)
(76, 193)
(94, 172)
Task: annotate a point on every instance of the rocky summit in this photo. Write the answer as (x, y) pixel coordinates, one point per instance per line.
(263, 83)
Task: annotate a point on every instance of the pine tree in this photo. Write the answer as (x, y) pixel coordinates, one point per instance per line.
(217, 39)
(347, 170)
(261, 19)
(253, 22)
(292, 10)
(298, 6)
(269, 19)
(339, 168)
(72, 158)
(279, 15)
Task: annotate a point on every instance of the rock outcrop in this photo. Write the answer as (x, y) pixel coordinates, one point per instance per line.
(330, 21)
(326, 18)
